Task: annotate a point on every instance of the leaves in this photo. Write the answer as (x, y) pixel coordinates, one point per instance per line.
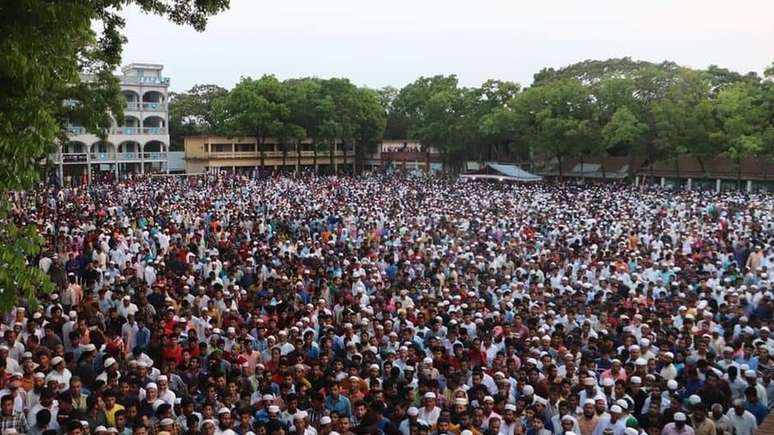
(55, 68)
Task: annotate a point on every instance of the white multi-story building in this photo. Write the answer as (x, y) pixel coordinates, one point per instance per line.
(137, 144)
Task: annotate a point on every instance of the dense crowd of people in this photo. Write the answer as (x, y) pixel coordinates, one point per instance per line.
(225, 305)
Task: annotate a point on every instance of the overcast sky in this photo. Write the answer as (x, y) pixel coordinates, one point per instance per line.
(394, 42)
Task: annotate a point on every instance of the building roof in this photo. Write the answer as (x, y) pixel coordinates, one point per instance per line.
(608, 167)
(131, 66)
(748, 168)
(503, 172)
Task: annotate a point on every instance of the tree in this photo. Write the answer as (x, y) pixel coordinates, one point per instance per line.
(194, 112)
(396, 122)
(50, 54)
(256, 108)
(744, 122)
(493, 138)
(684, 119)
(556, 119)
(441, 114)
(623, 129)
(370, 123)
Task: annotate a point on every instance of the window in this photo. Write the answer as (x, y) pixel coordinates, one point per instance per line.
(245, 147)
(221, 148)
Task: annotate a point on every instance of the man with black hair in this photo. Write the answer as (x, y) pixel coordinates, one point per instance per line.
(317, 409)
(43, 422)
(10, 419)
(111, 406)
(46, 402)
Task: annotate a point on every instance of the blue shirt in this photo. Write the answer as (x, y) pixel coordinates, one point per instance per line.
(341, 406)
(758, 410)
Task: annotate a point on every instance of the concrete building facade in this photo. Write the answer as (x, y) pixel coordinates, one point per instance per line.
(137, 144)
(245, 154)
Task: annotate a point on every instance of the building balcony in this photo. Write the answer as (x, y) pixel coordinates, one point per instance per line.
(290, 154)
(138, 130)
(405, 156)
(154, 107)
(154, 156)
(103, 157)
(75, 131)
(146, 106)
(144, 80)
(128, 156)
(73, 158)
(106, 157)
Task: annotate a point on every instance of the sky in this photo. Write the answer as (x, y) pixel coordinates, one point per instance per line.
(394, 42)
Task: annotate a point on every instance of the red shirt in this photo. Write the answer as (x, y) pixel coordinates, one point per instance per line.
(174, 353)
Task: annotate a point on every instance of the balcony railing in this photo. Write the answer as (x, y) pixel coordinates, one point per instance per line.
(155, 156)
(151, 106)
(128, 156)
(138, 130)
(145, 80)
(74, 157)
(76, 130)
(405, 156)
(105, 157)
(102, 157)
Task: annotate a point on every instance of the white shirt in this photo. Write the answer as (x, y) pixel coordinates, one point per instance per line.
(744, 424)
(430, 416)
(63, 378)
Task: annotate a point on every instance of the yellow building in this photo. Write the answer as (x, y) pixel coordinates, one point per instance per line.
(244, 154)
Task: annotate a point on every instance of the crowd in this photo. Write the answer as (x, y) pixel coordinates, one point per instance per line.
(224, 305)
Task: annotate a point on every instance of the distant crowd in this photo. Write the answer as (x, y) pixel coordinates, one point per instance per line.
(227, 305)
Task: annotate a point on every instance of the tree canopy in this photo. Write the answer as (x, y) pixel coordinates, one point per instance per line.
(55, 68)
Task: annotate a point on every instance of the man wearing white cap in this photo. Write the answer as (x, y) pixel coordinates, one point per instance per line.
(412, 416)
(751, 376)
(614, 423)
(589, 420)
(590, 390)
(429, 412)
(678, 426)
(127, 307)
(165, 394)
(668, 369)
(301, 426)
(225, 421)
(59, 373)
(741, 420)
(111, 366)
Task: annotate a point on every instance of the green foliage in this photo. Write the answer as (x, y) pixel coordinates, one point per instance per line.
(623, 129)
(589, 109)
(327, 111)
(744, 122)
(194, 112)
(253, 108)
(55, 68)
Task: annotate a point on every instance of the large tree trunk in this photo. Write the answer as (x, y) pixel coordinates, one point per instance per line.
(298, 157)
(561, 170)
(651, 157)
(630, 172)
(332, 153)
(344, 149)
(260, 149)
(677, 169)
